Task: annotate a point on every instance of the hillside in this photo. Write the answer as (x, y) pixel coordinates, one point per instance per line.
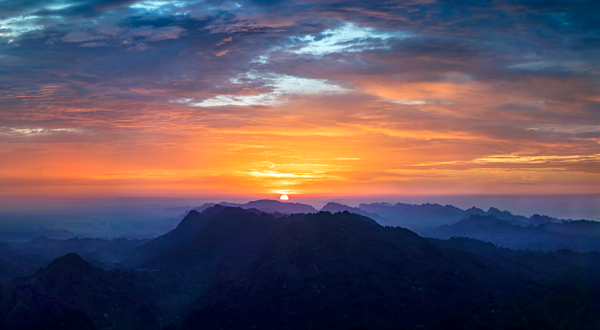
(70, 293)
(343, 270)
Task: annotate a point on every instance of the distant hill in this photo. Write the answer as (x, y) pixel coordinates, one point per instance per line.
(428, 215)
(268, 206)
(411, 216)
(581, 235)
(542, 266)
(336, 207)
(24, 258)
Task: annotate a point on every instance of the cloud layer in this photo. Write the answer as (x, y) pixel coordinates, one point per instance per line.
(299, 97)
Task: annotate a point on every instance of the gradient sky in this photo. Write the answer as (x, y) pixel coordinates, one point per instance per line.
(303, 97)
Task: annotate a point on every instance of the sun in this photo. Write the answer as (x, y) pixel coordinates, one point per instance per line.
(284, 197)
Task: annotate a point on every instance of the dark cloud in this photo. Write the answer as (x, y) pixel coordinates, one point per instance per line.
(86, 9)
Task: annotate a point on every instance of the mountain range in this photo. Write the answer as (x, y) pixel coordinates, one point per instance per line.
(227, 267)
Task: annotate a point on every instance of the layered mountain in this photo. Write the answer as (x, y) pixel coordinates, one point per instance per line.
(428, 215)
(236, 268)
(344, 270)
(24, 258)
(267, 205)
(337, 207)
(580, 235)
(411, 216)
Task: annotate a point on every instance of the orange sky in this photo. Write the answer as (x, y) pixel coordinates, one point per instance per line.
(264, 103)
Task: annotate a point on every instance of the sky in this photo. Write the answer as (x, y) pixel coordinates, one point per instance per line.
(305, 98)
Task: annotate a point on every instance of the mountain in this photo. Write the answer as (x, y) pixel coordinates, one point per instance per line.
(342, 271)
(27, 235)
(581, 235)
(182, 234)
(417, 217)
(235, 268)
(414, 216)
(24, 258)
(336, 207)
(268, 206)
(70, 293)
(227, 238)
(538, 265)
(506, 215)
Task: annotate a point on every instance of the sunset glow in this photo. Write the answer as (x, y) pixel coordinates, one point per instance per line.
(303, 98)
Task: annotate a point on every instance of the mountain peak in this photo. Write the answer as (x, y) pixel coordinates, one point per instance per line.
(266, 205)
(493, 210)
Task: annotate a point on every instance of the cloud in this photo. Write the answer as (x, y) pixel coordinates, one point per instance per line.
(281, 86)
(378, 86)
(81, 37)
(347, 38)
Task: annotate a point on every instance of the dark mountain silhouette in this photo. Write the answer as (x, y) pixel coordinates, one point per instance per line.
(336, 207)
(414, 216)
(267, 205)
(70, 293)
(27, 235)
(428, 215)
(229, 237)
(537, 219)
(24, 258)
(539, 265)
(235, 268)
(344, 270)
(506, 215)
(581, 235)
(182, 234)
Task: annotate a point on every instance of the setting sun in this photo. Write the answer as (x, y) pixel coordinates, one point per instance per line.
(284, 197)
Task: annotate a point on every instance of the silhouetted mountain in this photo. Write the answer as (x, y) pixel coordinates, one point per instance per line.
(236, 268)
(182, 234)
(268, 206)
(474, 210)
(336, 207)
(505, 215)
(23, 258)
(579, 235)
(27, 235)
(344, 270)
(229, 237)
(417, 217)
(70, 293)
(538, 265)
(537, 219)
(414, 216)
